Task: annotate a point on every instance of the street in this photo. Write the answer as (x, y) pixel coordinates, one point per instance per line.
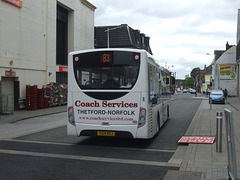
(48, 153)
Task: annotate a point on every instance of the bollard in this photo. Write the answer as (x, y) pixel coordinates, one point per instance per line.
(210, 104)
(219, 132)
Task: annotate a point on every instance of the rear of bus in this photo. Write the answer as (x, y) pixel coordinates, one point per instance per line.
(108, 93)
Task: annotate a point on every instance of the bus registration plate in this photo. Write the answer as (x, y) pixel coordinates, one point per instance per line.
(105, 133)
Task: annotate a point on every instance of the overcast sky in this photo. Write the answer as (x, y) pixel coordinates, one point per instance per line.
(181, 31)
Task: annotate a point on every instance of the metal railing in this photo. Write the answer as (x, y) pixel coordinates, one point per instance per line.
(230, 139)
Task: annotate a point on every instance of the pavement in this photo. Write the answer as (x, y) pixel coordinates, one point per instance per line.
(196, 161)
(26, 114)
(201, 161)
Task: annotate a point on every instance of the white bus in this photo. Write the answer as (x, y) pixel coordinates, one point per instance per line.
(116, 92)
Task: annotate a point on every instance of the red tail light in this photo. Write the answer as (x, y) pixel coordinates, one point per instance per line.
(142, 117)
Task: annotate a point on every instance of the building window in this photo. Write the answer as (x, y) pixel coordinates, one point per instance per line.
(62, 36)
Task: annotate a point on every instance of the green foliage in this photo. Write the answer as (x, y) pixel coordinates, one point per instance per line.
(193, 72)
(189, 82)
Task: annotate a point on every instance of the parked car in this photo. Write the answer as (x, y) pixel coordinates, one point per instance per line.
(189, 89)
(217, 96)
(184, 91)
(193, 91)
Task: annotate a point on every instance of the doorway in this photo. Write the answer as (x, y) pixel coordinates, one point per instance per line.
(10, 87)
(62, 36)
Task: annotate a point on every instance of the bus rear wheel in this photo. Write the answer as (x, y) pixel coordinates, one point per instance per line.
(168, 112)
(158, 125)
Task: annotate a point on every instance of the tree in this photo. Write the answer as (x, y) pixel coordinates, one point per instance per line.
(194, 71)
(189, 82)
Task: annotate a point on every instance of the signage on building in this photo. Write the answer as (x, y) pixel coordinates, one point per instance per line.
(63, 69)
(17, 3)
(197, 139)
(227, 71)
(10, 73)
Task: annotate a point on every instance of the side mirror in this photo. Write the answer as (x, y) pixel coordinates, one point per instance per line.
(154, 99)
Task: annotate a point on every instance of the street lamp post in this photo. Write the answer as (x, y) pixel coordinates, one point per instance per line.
(108, 43)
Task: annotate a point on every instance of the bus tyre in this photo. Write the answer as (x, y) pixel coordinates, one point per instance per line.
(158, 124)
(168, 112)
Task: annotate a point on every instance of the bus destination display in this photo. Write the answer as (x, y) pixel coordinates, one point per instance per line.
(106, 58)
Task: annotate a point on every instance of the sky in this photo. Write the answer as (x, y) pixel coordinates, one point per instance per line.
(183, 33)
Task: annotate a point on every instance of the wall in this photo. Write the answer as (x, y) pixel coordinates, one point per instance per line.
(28, 38)
(207, 83)
(221, 83)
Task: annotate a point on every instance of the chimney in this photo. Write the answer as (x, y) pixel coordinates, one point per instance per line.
(227, 46)
(137, 37)
(147, 41)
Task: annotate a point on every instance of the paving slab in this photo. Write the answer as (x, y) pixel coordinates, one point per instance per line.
(182, 175)
(203, 158)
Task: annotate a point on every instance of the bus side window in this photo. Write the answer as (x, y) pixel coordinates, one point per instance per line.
(167, 80)
(153, 84)
(150, 85)
(155, 99)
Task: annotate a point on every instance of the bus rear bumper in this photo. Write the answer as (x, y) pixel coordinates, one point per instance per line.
(126, 131)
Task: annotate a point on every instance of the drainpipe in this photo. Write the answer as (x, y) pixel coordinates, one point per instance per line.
(238, 79)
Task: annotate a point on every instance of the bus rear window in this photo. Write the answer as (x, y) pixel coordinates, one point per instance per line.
(106, 70)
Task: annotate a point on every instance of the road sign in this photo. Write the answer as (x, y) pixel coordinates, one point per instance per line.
(197, 139)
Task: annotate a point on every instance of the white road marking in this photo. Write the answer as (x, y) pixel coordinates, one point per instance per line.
(70, 144)
(84, 158)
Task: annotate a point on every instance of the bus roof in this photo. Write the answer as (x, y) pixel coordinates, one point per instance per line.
(118, 49)
(110, 49)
